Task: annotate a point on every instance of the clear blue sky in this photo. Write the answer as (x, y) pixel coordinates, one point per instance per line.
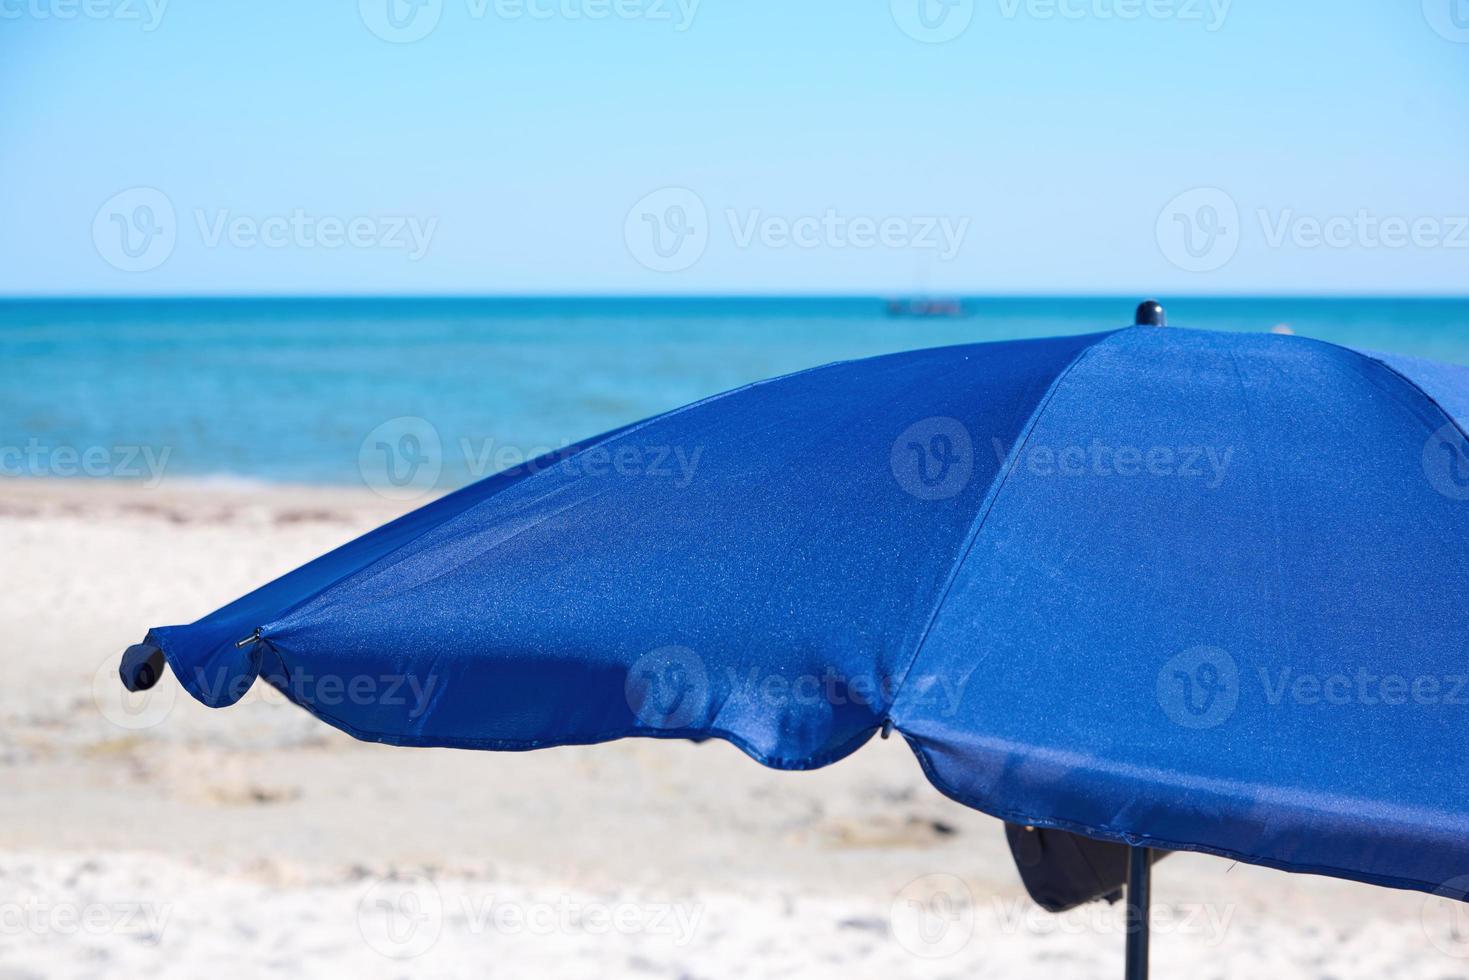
(1050, 134)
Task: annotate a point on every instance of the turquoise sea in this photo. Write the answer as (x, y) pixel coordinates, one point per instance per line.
(290, 389)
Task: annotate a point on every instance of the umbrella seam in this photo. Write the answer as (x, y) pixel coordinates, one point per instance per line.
(1413, 385)
(378, 564)
(1107, 833)
(987, 505)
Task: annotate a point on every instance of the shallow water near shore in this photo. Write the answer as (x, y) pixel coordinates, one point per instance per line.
(296, 391)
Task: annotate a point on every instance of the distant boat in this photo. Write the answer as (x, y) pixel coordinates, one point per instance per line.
(925, 307)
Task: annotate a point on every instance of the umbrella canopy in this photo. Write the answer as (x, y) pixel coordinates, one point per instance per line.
(1161, 587)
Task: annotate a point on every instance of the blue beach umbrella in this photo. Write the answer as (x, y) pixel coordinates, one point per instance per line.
(1136, 591)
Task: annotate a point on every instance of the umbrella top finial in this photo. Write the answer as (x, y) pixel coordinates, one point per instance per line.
(1150, 313)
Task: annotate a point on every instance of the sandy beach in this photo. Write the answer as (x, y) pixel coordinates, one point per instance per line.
(149, 835)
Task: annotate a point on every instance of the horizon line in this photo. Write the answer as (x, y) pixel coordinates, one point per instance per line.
(1134, 297)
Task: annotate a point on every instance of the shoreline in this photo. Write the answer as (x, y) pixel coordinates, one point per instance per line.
(222, 497)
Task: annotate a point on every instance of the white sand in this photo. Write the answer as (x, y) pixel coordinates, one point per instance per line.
(158, 837)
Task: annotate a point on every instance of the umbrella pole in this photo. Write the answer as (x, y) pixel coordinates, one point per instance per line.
(1139, 899)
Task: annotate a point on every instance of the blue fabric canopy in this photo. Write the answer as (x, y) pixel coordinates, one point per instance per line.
(1192, 590)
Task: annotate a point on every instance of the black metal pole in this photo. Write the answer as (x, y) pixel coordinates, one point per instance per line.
(1139, 899)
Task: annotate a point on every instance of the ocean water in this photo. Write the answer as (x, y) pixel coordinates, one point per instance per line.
(302, 390)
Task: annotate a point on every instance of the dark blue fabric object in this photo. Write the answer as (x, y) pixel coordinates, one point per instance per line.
(1192, 590)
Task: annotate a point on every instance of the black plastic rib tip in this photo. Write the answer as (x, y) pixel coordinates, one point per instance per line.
(1150, 314)
(141, 667)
